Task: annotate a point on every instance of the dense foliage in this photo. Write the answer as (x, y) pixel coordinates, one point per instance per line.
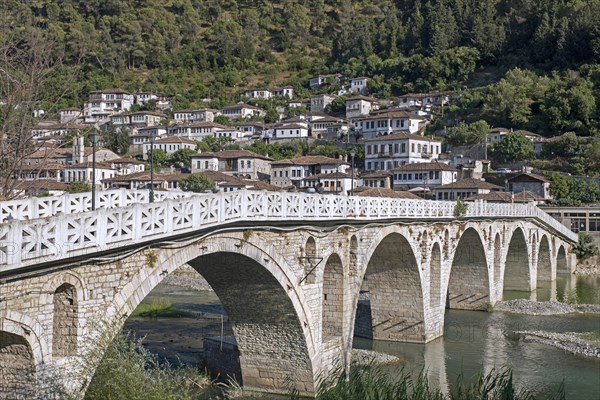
(191, 49)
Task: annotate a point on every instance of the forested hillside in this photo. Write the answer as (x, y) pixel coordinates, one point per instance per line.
(191, 49)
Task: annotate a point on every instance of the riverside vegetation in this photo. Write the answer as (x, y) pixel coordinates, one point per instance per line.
(129, 371)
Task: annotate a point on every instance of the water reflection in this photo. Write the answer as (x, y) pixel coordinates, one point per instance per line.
(479, 341)
(566, 288)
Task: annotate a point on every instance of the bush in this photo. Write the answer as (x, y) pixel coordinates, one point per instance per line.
(461, 208)
(585, 247)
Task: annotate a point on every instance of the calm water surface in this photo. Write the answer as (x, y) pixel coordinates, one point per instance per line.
(473, 341)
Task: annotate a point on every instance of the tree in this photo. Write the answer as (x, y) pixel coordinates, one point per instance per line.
(509, 101)
(117, 140)
(27, 63)
(196, 183)
(467, 134)
(79, 187)
(159, 158)
(514, 147)
(586, 246)
(182, 157)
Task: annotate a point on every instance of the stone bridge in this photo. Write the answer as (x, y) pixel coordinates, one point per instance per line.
(287, 267)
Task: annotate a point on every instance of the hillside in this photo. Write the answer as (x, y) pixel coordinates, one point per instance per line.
(192, 49)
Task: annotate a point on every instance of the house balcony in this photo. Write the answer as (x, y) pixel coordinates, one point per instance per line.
(425, 155)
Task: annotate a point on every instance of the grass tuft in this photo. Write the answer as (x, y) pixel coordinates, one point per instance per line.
(160, 308)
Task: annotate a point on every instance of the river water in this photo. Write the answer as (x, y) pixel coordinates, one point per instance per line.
(473, 341)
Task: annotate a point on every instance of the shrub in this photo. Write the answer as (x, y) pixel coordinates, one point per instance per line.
(585, 247)
(461, 208)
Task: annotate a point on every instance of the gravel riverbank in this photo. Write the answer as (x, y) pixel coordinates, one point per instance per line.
(587, 269)
(522, 306)
(569, 341)
(366, 357)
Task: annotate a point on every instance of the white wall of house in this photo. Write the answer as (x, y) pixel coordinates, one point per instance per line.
(387, 155)
(424, 178)
(168, 148)
(85, 174)
(290, 132)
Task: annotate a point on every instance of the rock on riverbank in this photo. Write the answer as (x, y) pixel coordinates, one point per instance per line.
(587, 269)
(569, 341)
(522, 306)
(366, 357)
(187, 277)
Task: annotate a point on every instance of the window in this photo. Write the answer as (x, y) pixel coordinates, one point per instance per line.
(369, 149)
(403, 147)
(412, 147)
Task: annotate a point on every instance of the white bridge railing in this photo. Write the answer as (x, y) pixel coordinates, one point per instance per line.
(61, 228)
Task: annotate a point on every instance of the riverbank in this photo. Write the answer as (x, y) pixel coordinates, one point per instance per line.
(530, 307)
(575, 343)
(587, 269)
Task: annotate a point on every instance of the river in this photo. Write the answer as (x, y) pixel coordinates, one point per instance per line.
(473, 341)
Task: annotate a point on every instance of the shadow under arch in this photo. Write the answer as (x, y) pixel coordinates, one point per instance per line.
(17, 368)
(395, 291)
(562, 266)
(544, 261)
(435, 276)
(468, 285)
(267, 328)
(516, 267)
(333, 298)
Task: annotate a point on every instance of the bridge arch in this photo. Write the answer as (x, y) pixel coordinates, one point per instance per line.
(544, 261)
(257, 288)
(395, 290)
(22, 350)
(517, 273)
(65, 321)
(562, 264)
(435, 275)
(333, 298)
(310, 260)
(468, 283)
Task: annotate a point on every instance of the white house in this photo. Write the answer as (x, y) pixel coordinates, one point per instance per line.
(199, 115)
(169, 145)
(360, 106)
(331, 183)
(126, 166)
(67, 115)
(319, 126)
(138, 119)
(286, 91)
(251, 129)
(317, 81)
(359, 85)
(258, 93)
(103, 103)
(320, 101)
(295, 171)
(242, 110)
(290, 131)
(84, 172)
(234, 162)
(400, 148)
(47, 129)
(196, 130)
(426, 175)
(388, 121)
(423, 100)
(231, 133)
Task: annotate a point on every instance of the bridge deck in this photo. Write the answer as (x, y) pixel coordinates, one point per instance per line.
(64, 227)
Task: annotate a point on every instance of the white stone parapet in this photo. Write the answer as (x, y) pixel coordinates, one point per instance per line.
(54, 228)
